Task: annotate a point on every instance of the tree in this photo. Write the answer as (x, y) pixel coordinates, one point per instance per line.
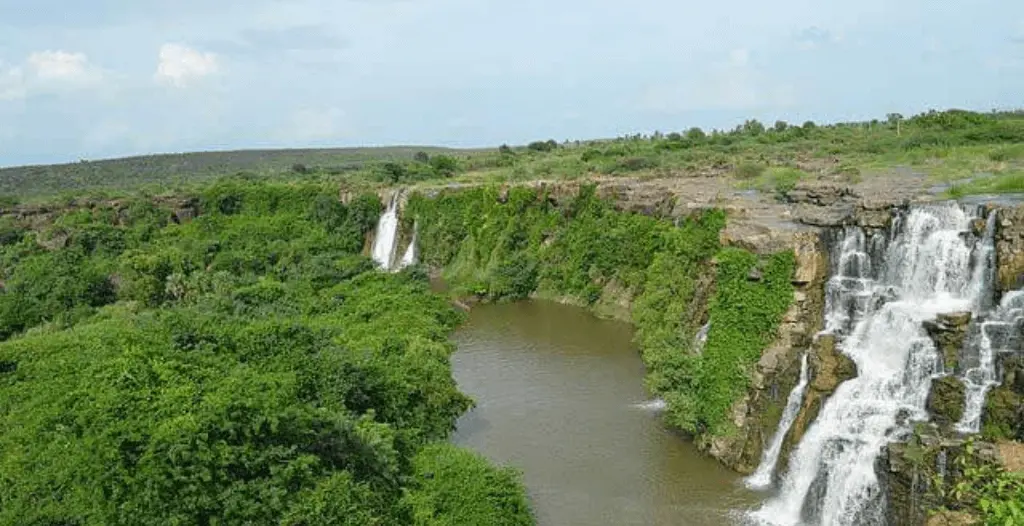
(781, 126)
(444, 165)
(695, 134)
(753, 127)
(894, 120)
(421, 157)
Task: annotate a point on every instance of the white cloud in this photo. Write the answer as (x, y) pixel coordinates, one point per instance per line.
(62, 66)
(317, 124)
(181, 64)
(736, 84)
(47, 71)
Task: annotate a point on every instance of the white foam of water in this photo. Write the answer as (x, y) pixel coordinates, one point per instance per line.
(409, 258)
(994, 337)
(652, 405)
(876, 301)
(762, 478)
(385, 239)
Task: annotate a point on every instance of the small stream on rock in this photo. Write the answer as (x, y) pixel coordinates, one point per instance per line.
(560, 396)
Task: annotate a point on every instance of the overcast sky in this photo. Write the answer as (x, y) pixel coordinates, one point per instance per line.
(100, 78)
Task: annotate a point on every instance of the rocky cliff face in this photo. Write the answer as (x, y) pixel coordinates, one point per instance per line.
(757, 415)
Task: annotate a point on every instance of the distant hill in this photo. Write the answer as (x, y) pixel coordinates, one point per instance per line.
(168, 170)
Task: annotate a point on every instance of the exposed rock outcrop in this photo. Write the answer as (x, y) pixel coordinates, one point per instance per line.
(1010, 249)
(827, 367)
(949, 331)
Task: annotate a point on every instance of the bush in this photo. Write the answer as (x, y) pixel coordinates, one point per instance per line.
(455, 487)
(748, 170)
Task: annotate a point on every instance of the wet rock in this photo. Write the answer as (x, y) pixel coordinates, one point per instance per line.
(948, 331)
(978, 226)
(911, 474)
(946, 401)
(829, 367)
(1012, 367)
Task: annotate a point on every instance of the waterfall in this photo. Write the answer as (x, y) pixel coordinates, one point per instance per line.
(701, 338)
(409, 258)
(386, 237)
(999, 333)
(880, 291)
(762, 478)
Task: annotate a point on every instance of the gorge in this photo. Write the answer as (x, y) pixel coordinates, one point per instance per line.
(853, 363)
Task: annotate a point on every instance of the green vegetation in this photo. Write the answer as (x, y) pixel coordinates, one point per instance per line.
(1005, 183)
(246, 367)
(508, 246)
(455, 487)
(948, 145)
(188, 172)
(984, 489)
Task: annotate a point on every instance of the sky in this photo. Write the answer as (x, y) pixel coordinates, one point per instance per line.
(107, 78)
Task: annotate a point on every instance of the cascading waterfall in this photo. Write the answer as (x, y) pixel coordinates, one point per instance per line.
(386, 237)
(997, 334)
(409, 258)
(881, 290)
(762, 478)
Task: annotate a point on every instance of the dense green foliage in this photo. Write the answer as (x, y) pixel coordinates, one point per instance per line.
(456, 487)
(246, 367)
(511, 245)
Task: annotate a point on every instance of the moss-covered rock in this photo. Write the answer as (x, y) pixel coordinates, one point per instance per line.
(949, 331)
(915, 476)
(946, 401)
(1003, 415)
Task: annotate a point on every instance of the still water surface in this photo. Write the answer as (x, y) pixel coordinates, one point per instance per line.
(557, 394)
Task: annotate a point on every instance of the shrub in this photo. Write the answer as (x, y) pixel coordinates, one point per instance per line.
(748, 170)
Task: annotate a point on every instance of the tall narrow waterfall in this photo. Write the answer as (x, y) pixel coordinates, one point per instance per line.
(409, 258)
(386, 237)
(880, 291)
(762, 478)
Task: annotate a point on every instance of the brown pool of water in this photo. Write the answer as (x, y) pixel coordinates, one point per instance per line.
(558, 393)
